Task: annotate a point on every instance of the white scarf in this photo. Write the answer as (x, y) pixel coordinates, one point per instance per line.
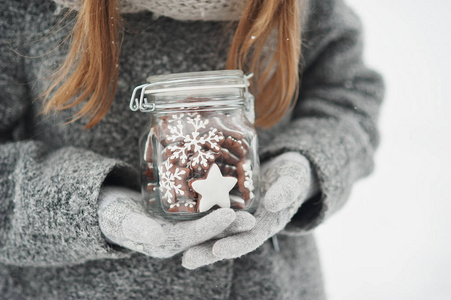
(205, 10)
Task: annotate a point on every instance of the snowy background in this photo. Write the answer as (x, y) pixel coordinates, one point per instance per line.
(392, 239)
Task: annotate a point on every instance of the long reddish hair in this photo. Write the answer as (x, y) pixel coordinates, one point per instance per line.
(89, 73)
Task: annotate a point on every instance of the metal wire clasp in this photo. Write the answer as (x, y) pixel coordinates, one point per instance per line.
(142, 103)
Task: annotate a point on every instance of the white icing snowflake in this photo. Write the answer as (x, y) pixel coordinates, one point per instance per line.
(167, 181)
(191, 149)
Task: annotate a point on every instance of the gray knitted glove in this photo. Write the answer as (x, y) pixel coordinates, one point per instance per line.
(123, 222)
(285, 182)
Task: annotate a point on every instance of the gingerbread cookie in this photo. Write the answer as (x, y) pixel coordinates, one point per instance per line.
(173, 181)
(236, 147)
(193, 148)
(228, 158)
(227, 170)
(245, 182)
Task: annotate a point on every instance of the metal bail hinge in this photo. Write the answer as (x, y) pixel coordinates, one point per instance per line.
(142, 103)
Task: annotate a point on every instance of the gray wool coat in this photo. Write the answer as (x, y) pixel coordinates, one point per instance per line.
(51, 246)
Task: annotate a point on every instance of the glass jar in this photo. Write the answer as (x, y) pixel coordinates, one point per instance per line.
(199, 149)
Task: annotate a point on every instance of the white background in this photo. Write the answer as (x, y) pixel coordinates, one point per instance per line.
(392, 240)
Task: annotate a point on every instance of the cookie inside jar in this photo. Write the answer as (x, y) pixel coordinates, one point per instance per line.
(199, 160)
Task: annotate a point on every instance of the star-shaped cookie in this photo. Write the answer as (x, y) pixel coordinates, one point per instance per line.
(214, 189)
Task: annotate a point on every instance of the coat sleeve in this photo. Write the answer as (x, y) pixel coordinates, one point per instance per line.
(48, 197)
(334, 123)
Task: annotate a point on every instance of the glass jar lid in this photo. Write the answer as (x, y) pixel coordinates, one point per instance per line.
(232, 83)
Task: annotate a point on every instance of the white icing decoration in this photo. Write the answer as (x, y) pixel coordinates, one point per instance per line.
(193, 143)
(175, 117)
(167, 181)
(248, 182)
(214, 189)
(188, 203)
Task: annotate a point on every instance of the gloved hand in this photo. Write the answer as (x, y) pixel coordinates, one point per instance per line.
(285, 183)
(123, 222)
